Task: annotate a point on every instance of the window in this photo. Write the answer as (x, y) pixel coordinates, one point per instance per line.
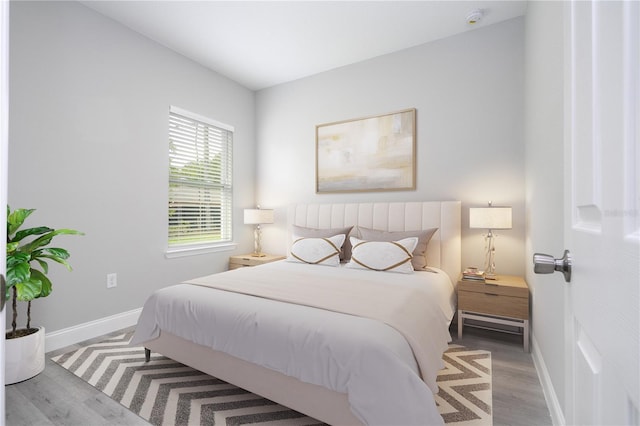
(200, 189)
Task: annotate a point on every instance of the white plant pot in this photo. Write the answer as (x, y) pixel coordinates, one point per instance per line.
(24, 357)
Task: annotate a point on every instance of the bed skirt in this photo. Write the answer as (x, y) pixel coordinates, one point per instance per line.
(315, 401)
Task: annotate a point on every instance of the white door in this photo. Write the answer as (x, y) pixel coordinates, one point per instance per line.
(602, 212)
(4, 138)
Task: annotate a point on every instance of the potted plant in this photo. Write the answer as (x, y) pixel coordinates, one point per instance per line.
(27, 269)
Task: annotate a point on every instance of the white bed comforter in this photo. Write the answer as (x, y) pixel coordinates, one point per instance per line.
(369, 361)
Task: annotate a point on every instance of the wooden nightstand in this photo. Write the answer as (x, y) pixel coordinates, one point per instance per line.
(502, 301)
(244, 260)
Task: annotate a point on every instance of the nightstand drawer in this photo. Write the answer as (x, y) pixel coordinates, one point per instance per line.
(237, 266)
(246, 260)
(480, 287)
(492, 303)
(505, 285)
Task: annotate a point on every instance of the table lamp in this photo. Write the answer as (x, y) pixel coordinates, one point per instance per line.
(257, 217)
(490, 218)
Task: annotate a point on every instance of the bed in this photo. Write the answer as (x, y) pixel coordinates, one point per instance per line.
(331, 343)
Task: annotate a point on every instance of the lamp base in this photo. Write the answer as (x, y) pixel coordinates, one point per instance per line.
(490, 255)
(258, 254)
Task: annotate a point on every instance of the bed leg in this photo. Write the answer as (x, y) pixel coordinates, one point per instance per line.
(147, 355)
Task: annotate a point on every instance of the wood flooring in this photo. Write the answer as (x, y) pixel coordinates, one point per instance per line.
(517, 394)
(57, 397)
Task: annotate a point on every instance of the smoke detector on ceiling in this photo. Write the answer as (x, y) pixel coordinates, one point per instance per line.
(474, 16)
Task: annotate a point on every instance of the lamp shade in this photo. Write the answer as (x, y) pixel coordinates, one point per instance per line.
(490, 217)
(257, 216)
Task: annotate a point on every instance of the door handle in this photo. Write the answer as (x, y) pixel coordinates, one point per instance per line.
(546, 264)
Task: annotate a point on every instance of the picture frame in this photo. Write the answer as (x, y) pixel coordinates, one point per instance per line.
(375, 153)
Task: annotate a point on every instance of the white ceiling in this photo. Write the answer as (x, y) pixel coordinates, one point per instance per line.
(264, 43)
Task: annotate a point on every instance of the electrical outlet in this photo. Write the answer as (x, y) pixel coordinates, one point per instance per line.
(112, 280)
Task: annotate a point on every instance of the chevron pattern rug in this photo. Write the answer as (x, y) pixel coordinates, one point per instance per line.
(165, 392)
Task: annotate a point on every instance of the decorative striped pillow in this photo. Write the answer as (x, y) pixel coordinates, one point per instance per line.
(317, 251)
(392, 256)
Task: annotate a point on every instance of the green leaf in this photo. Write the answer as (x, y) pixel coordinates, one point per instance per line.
(16, 218)
(44, 265)
(11, 247)
(18, 273)
(29, 290)
(20, 235)
(54, 253)
(55, 259)
(17, 258)
(46, 239)
(57, 252)
(46, 286)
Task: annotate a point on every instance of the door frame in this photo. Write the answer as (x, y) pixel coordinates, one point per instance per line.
(4, 152)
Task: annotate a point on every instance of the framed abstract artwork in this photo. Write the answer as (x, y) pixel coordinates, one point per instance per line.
(376, 153)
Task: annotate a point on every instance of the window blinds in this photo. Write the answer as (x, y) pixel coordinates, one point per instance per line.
(200, 187)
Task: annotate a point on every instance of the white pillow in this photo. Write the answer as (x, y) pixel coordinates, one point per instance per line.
(392, 256)
(419, 253)
(318, 251)
(345, 253)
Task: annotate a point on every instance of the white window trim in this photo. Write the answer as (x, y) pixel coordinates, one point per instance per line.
(201, 118)
(176, 252)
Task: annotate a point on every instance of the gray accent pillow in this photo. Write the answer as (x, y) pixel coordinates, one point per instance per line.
(419, 260)
(345, 253)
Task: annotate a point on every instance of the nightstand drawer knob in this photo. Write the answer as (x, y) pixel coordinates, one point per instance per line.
(546, 264)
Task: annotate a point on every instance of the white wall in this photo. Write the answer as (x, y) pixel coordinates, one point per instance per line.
(544, 187)
(468, 92)
(89, 102)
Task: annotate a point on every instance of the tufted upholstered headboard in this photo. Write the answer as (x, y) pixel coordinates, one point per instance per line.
(444, 249)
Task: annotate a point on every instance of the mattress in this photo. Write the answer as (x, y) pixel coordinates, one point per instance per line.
(368, 359)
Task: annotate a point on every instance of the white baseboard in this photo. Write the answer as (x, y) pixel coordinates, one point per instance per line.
(557, 416)
(78, 333)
